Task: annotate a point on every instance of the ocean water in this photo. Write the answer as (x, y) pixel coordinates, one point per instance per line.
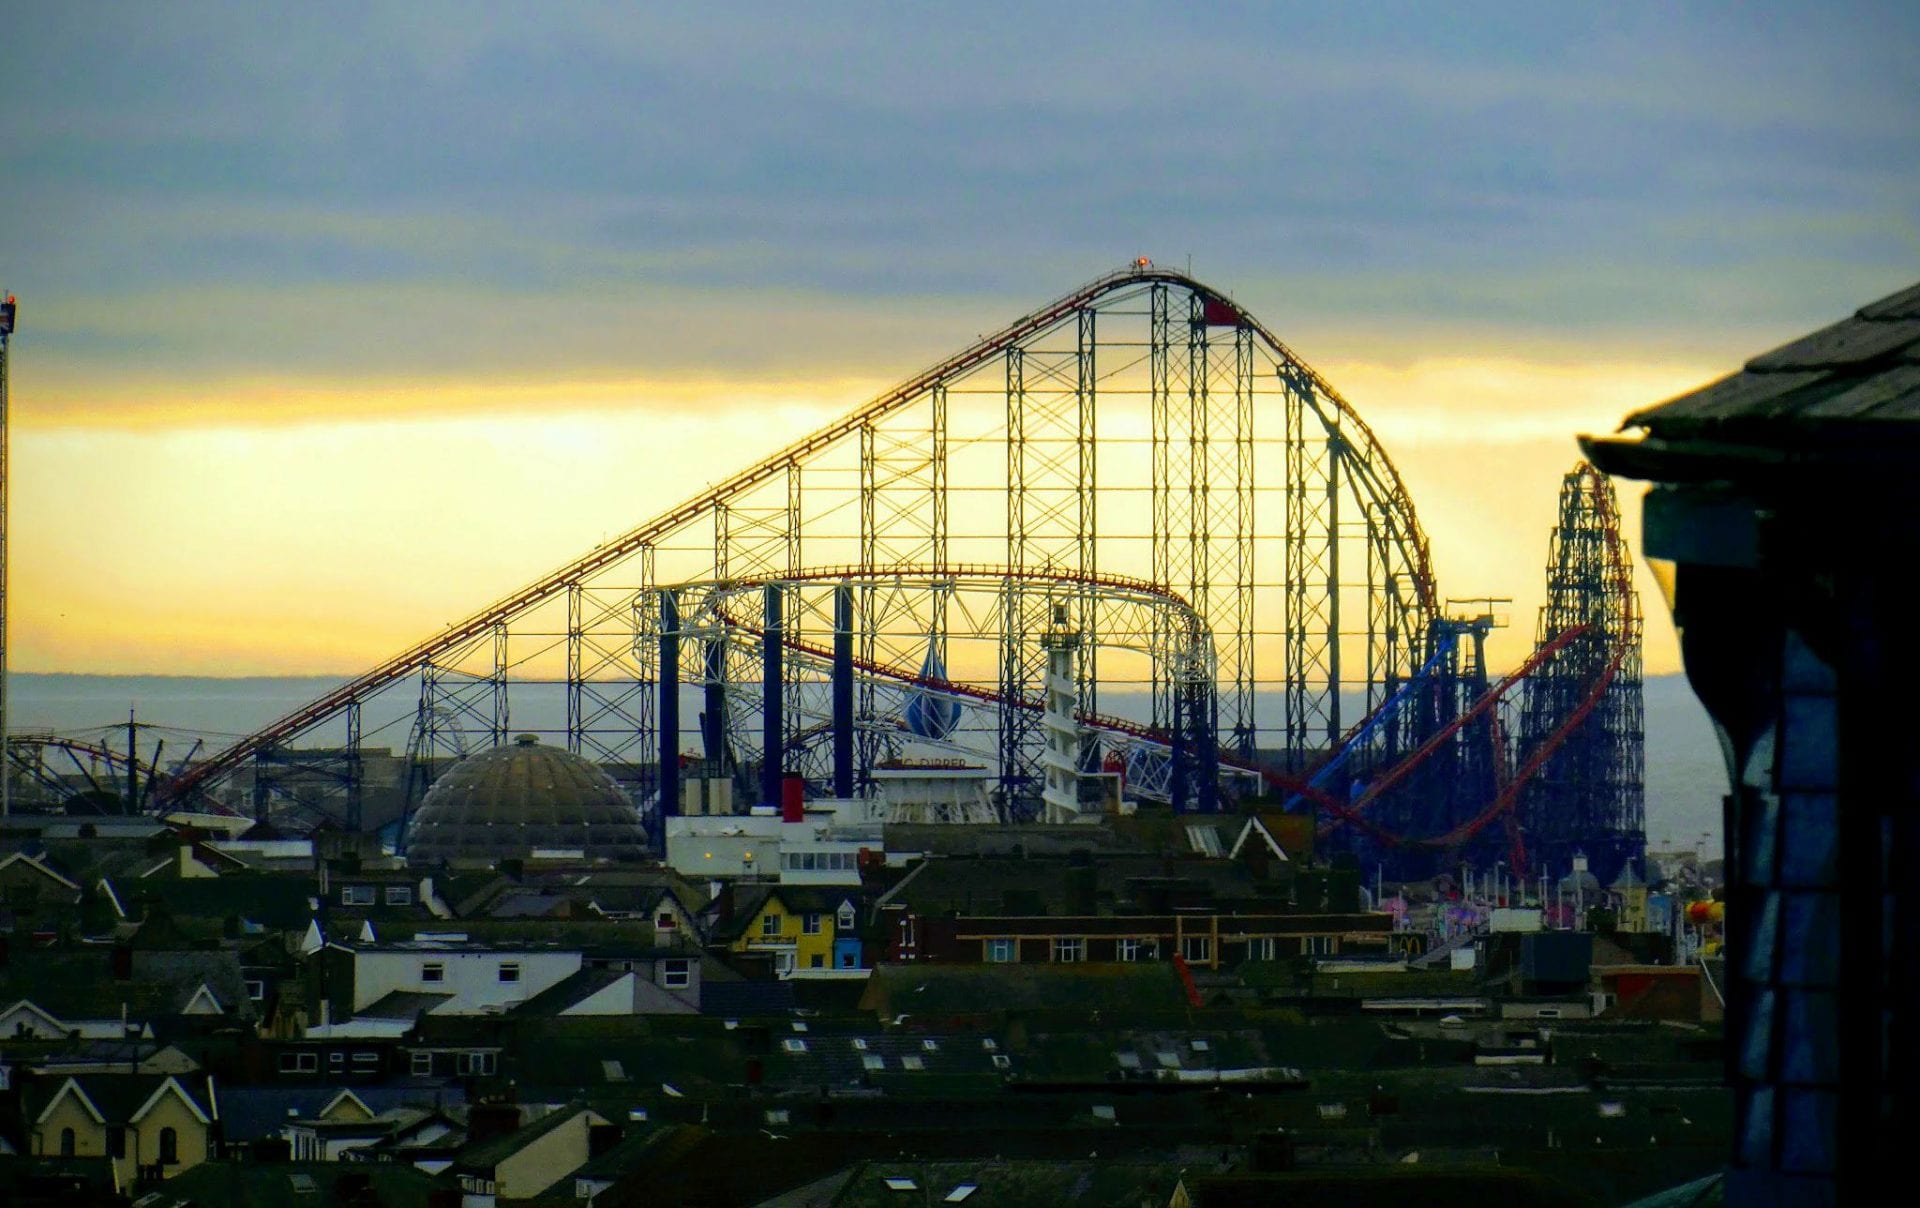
(1685, 775)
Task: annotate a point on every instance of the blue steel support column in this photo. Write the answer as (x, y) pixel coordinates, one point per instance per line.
(1206, 742)
(843, 691)
(669, 711)
(773, 756)
(713, 721)
(1180, 754)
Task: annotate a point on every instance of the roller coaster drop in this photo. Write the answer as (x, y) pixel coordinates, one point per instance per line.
(1240, 565)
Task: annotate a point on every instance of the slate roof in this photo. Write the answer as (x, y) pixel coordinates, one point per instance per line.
(119, 1096)
(922, 990)
(745, 999)
(567, 991)
(487, 1154)
(78, 984)
(276, 901)
(1087, 1182)
(401, 1004)
(1848, 394)
(249, 1113)
(1015, 886)
(249, 1184)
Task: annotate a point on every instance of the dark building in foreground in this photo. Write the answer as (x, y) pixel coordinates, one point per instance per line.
(1785, 512)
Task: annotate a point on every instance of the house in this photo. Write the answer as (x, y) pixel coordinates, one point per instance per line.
(26, 881)
(378, 989)
(254, 1118)
(521, 1162)
(152, 1126)
(797, 927)
(111, 993)
(1781, 506)
(1209, 912)
(348, 1128)
(664, 984)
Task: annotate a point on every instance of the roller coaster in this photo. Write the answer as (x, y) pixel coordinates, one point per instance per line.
(1140, 463)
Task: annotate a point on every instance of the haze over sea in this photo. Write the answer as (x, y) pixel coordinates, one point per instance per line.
(1685, 776)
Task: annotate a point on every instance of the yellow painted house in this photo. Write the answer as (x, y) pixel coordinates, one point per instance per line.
(153, 1126)
(796, 925)
(521, 1164)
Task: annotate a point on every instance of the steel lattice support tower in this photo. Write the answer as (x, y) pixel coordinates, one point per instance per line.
(1589, 793)
(1143, 427)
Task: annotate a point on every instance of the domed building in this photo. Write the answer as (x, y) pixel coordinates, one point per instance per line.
(503, 802)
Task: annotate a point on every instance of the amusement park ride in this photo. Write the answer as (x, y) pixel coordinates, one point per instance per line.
(1133, 508)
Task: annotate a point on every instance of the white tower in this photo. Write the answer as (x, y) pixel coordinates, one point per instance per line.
(1061, 759)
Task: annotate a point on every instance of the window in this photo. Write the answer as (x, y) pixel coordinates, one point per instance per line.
(664, 921)
(169, 1147)
(793, 1044)
(931, 1046)
(1260, 948)
(1317, 945)
(1196, 947)
(810, 923)
(846, 960)
(299, 1063)
(477, 1063)
(913, 1061)
(356, 895)
(116, 1142)
(817, 961)
(1127, 950)
(1002, 1062)
(422, 1064)
(1067, 951)
(1002, 950)
(256, 989)
(989, 1044)
(769, 924)
(873, 1061)
(66, 1142)
(778, 1115)
(433, 971)
(676, 975)
(399, 895)
(336, 1062)
(365, 1060)
(509, 971)
(845, 920)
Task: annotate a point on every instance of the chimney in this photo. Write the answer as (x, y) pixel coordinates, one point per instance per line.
(793, 799)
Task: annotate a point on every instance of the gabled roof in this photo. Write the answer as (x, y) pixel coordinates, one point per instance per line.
(402, 1004)
(127, 1098)
(567, 991)
(22, 858)
(487, 1154)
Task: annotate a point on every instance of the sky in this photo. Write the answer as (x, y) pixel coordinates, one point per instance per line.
(339, 321)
